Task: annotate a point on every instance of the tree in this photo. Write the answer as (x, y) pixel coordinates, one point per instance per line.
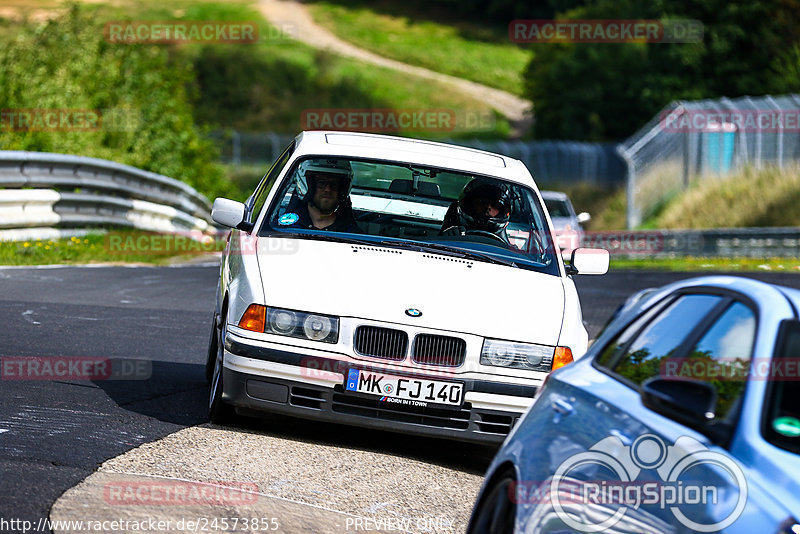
(605, 91)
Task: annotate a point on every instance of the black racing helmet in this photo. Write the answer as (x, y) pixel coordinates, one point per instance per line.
(472, 203)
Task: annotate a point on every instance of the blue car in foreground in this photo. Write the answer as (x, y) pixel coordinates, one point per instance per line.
(683, 416)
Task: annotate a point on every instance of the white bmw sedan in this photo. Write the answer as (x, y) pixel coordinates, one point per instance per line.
(392, 283)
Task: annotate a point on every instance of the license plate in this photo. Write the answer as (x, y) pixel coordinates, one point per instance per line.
(404, 390)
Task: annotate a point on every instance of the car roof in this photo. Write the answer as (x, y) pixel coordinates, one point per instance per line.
(554, 195)
(792, 294)
(415, 151)
(741, 284)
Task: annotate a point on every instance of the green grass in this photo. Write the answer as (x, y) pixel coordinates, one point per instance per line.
(751, 198)
(694, 264)
(481, 54)
(244, 179)
(268, 86)
(129, 246)
(283, 78)
(114, 247)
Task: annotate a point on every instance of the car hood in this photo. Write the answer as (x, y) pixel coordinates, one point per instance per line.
(560, 224)
(380, 284)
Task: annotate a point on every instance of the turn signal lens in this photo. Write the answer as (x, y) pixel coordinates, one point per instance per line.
(562, 357)
(253, 318)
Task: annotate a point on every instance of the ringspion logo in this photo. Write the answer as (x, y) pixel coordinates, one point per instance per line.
(683, 478)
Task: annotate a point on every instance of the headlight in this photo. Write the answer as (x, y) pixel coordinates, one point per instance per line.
(517, 355)
(303, 325)
(317, 327)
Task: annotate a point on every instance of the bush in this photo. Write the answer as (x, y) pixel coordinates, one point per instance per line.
(141, 91)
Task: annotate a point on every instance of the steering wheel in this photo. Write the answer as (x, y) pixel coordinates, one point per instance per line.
(484, 233)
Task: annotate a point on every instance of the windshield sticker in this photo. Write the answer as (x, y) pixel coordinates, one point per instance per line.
(288, 218)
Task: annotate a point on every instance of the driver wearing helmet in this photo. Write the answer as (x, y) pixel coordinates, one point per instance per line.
(484, 206)
(324, 189)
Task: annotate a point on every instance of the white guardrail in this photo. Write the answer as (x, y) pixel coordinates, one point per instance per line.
(46, 196)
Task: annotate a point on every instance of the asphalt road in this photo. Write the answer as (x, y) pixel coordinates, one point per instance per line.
(54, 433)
(58, 432)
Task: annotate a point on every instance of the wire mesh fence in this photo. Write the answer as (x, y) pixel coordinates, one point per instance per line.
(244, 148)
(552, 163)
(688, 142)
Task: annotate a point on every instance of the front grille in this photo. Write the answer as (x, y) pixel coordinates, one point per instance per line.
(439, 350)
(494, 424)
(381, 342)
(306, 397)
(457, 419)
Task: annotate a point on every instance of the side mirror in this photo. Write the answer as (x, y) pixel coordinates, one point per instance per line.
(228, 212)
(583, 217)
(690, 402)
(588, 261)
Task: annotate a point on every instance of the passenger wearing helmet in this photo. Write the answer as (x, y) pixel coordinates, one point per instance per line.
(323, 189)
(483, 207)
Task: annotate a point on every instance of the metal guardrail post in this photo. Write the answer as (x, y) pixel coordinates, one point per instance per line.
(632, 217)
(237, 148)
(779, 143)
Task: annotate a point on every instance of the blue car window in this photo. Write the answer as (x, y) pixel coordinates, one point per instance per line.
(722, 356)
(660, 339)
(612, 350)
(781, 418)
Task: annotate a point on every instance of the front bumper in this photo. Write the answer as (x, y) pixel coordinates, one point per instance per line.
(258, 378)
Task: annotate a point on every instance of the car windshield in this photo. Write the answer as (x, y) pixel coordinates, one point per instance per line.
(557, 208)
(405, 205)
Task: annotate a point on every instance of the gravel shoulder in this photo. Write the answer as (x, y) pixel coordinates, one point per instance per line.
(307, 485)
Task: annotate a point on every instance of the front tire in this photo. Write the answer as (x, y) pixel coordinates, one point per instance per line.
(218, 412)
(211, 356)
(496, 512)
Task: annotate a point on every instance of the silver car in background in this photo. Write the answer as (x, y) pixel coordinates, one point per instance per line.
(566, 224)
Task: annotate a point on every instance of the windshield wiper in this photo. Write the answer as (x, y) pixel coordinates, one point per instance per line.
(448, 251)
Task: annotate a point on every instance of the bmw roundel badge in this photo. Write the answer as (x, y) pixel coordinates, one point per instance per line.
(413, 312)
